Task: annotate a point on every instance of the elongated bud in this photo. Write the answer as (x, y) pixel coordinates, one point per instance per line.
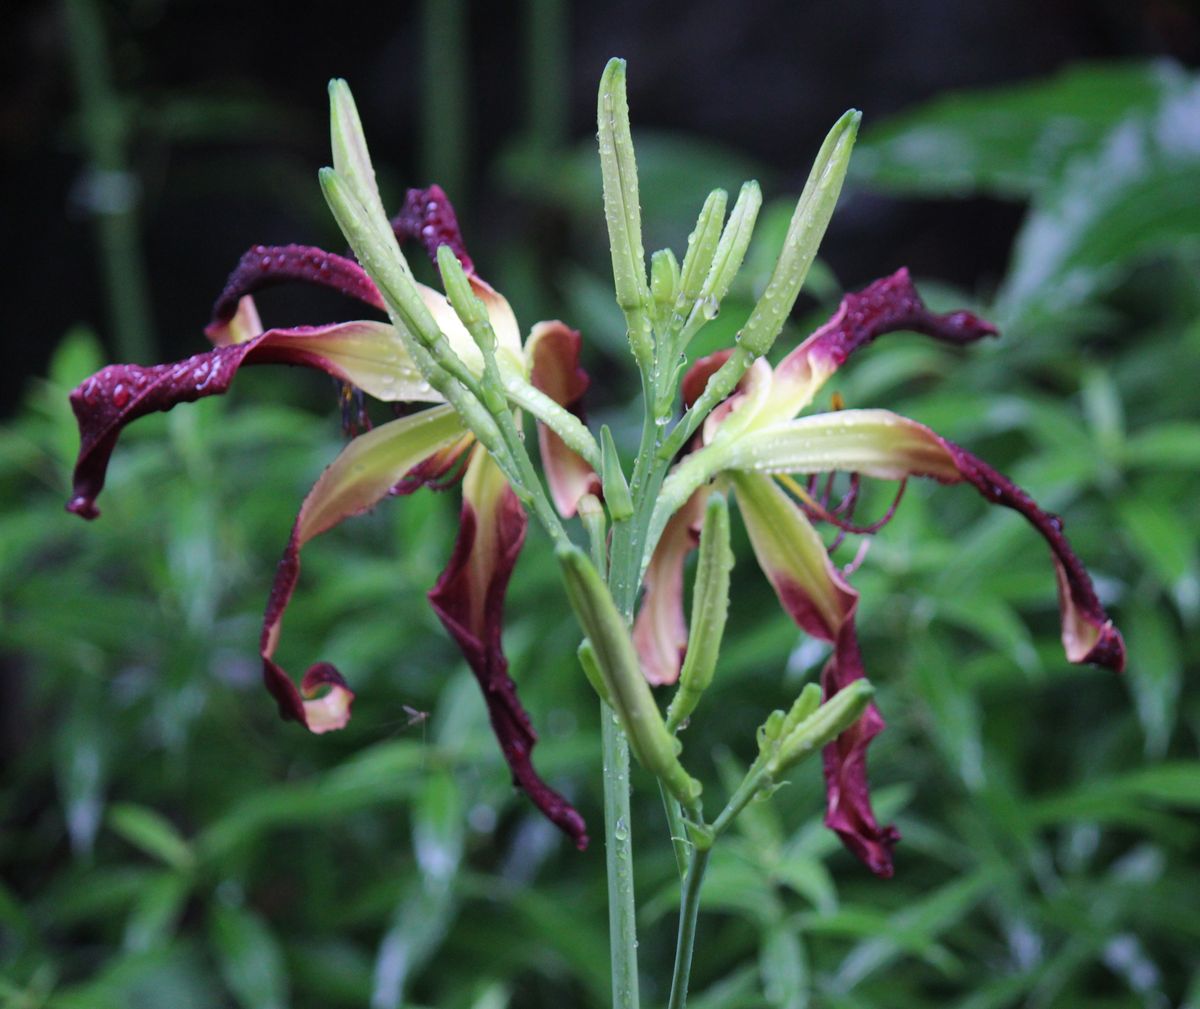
(808, 727)
(612, 477)
(735, 240)
(702, 247)
(804, 235)
(710, 606)
(469, 309)
(617, 665)
(351, 159)
(664, 283)
(622, 211)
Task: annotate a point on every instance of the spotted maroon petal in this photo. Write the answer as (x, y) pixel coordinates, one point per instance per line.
(469, 600)
(1088, 633)
(847, 792)
(268, 265)
(428, 217)
(365, 354)
(889, 305)
(553, 351)
(816, 596)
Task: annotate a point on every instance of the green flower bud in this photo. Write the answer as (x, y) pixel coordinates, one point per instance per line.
(702, 246)
(710, 606)
(804, 235)
(617, 665)
(806, 736)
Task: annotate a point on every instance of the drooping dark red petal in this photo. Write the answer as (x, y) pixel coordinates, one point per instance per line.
(820, 600)
(267, 265)
(105, 403)
(1089, 635)
(887, 446)
(848, 797)
(428, 217)
(469, 600)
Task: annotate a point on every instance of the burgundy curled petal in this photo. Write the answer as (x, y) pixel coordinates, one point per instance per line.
(886, 306)
(267, 265)
(428, 217)
(121, 393)
(848, 795)
(1089, 634)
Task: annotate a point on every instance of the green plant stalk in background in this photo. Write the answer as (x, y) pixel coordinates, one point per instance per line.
(111, 191)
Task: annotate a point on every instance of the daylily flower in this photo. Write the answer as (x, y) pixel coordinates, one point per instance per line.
(431, 448)
(754, 442)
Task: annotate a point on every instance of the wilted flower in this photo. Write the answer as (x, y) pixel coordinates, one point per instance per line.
(429, 448)
(755, 442)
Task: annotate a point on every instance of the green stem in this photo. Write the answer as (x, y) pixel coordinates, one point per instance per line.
(689, 910)
(113, 189)
(618, 834)
(679, 838)
(444, 135)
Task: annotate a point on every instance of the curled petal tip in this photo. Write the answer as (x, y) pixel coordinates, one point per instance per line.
(83, 506)
(330, 710)
(1108, 651)
(318, 714)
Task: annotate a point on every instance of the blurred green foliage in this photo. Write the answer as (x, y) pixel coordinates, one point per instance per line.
(168, 841)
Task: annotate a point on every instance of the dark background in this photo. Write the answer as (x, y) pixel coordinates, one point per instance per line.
(765, 78)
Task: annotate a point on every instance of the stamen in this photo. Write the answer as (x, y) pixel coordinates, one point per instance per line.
(815, 510)
(354, 409)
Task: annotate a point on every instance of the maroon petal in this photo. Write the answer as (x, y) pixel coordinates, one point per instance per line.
(847, 793)
(469, 600)
(888, 305)
(268, 265)
(553, 353)
(1088, 634)
(821, 602)
(428, 217)
(881, 444)
(105, 403)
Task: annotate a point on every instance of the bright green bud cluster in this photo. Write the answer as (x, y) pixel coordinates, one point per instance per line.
(786, 739)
